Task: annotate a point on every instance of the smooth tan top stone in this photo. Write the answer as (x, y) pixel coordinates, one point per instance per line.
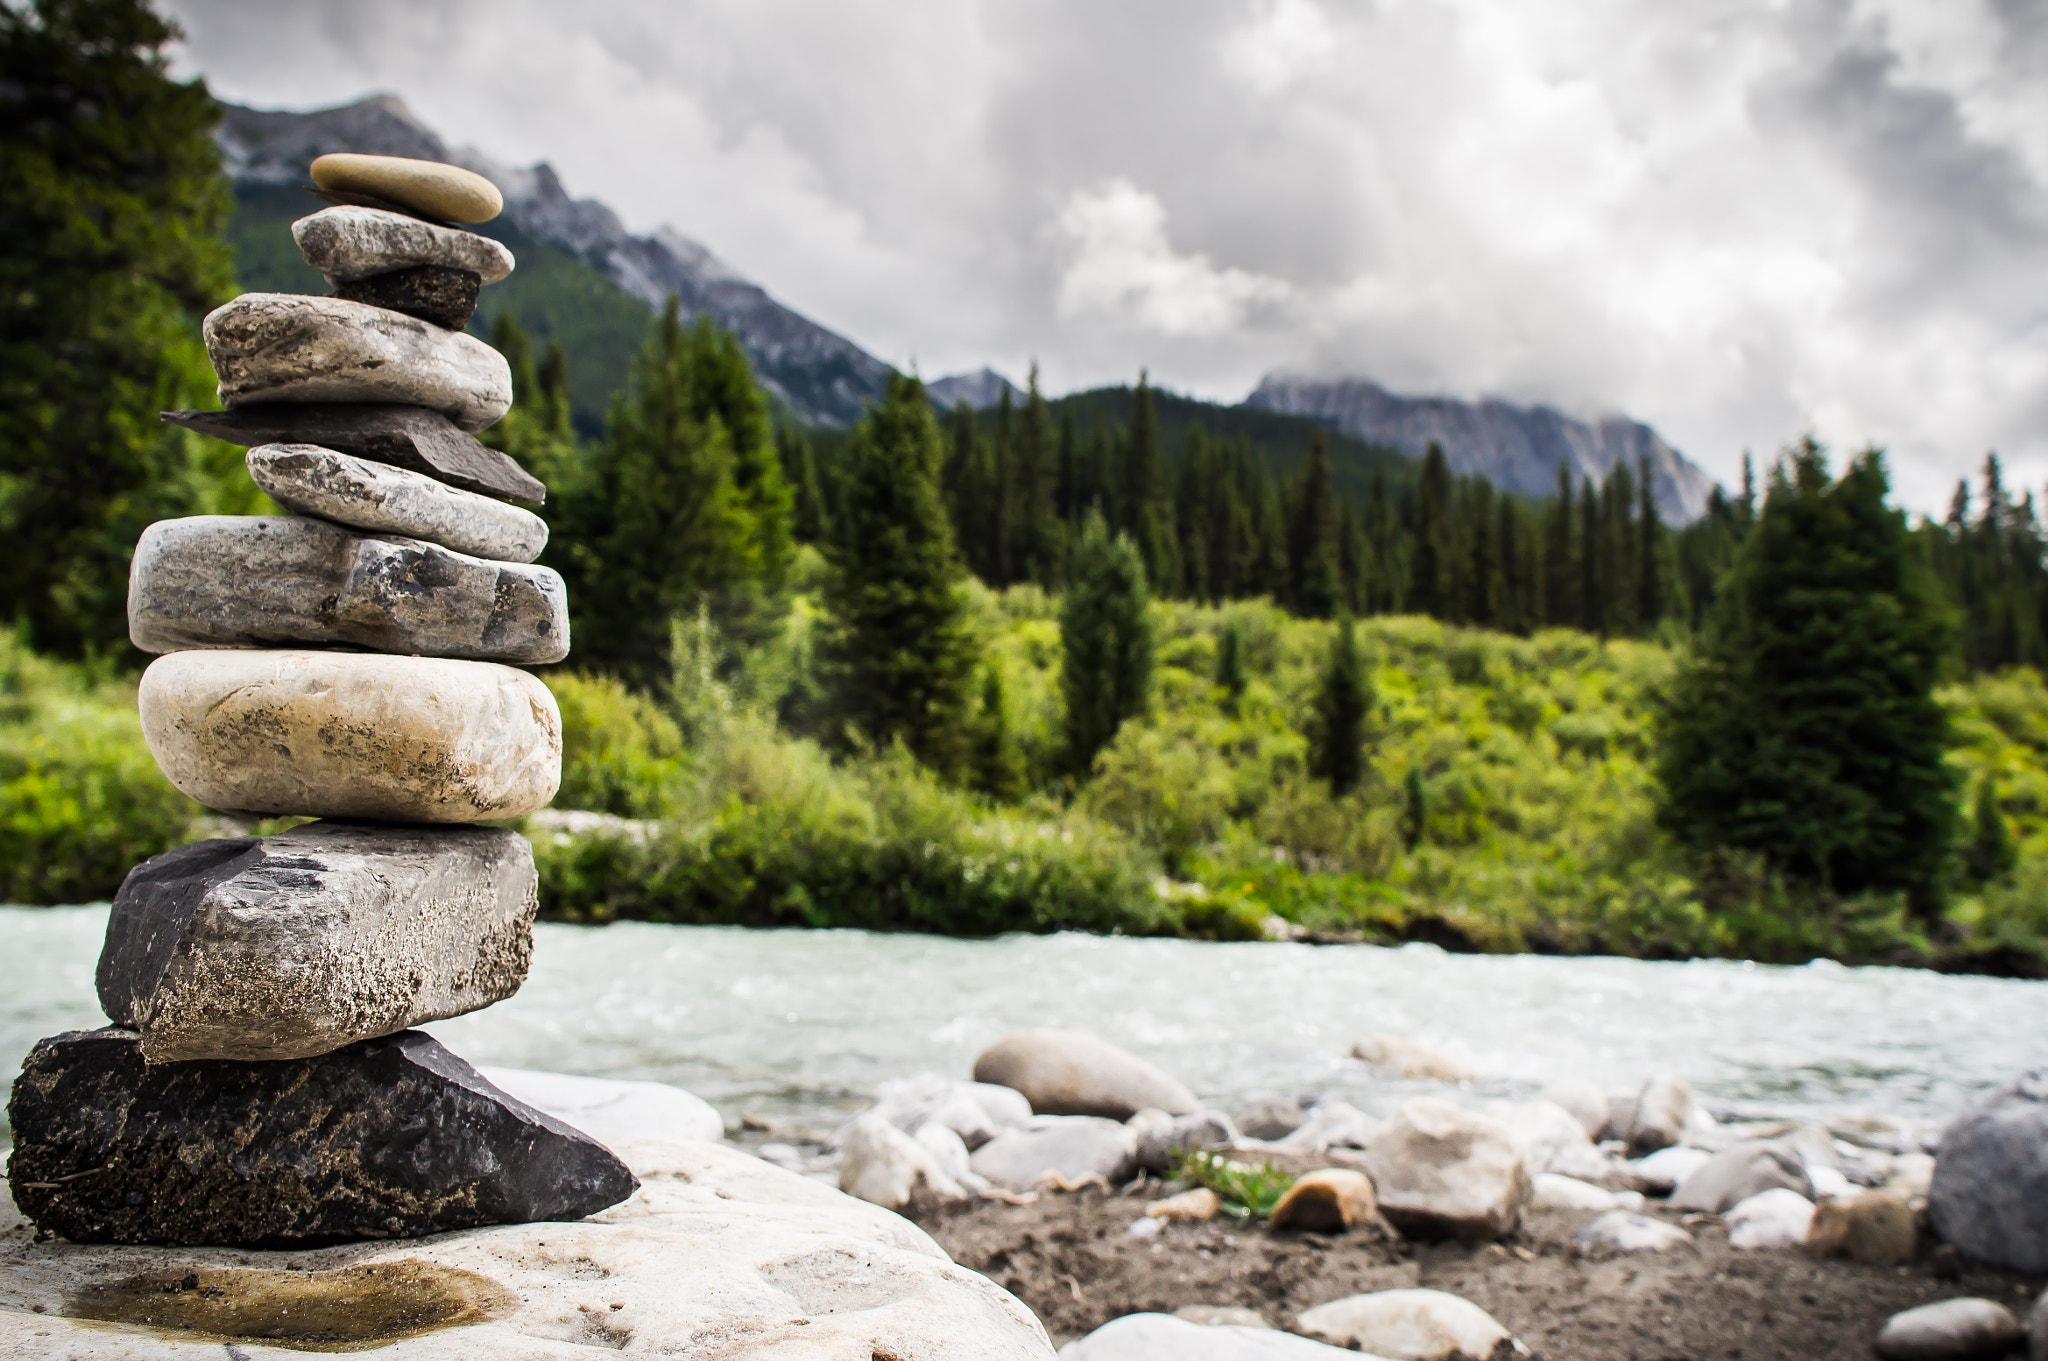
(349, 243)
(432, 188)
(349, 735)
(289, 347)
(385, 500)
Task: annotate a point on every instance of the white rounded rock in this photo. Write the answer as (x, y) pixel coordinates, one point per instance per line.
(612, 1110)
(1408, 1325)
(1444, 1172)
(350, 243)
(289, 347)
(386, 500)
(351, 735)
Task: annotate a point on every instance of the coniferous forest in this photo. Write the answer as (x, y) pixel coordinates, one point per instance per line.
(1119, 660)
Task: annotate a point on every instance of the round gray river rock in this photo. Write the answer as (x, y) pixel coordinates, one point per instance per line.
(287, 347)
(353, 735)
(1953, 1330)
(350, 243)
(236, 581)
(1061, 1073)
(289, 946)
(1990, 1192)
(381, 499)
(391, 1138)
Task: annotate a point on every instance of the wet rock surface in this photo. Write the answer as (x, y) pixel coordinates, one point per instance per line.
(287, 347)
(289, 946)
(390, 1138)
(433, 293)
(353, 735)
(348, 243)
(246, 581)
(380, 499)
(410, 437)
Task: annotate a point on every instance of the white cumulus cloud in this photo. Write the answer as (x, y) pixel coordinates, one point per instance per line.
(1124, 266)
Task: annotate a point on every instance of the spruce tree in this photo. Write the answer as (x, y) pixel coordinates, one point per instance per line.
(1106, 639)
(1649, 551)
(1560, 575)
(1316, 579)
(1343, 700)
(1593, 557)
(536, 431)
(110, 251)
(1231, 677)
(1414, 809)
(1991, 854)
(898, 654)
(1037, 539)
(1429, 568)
(996, 767)
(1806, 729)
(810, 519)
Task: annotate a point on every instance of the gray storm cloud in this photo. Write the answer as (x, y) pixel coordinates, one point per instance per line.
(1737, 221)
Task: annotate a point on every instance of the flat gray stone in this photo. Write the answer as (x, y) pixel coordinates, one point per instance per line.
(288, 946)
(352, 735)
(391, 1138)
(287, 347)
(410, 437)
(1061, 1151)
(350, 243)
(231, 581)
(380, 499)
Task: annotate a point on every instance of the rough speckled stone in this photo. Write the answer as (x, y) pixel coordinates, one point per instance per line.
(1990, 1192)
(287, 347)
(410, 437)
(381, 499)
(230, 581)
(717, 1255)
(288, 946)
(349, 735)
(349, 243)
(446, 297)
(431, 188)
(390, 1138)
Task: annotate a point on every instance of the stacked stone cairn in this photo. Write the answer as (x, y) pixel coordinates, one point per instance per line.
(352, 662)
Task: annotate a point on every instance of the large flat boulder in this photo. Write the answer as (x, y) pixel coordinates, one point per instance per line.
(1443, 1172)
(232, 581)
(288, 946)
(348, 243)
(289, 347)
(717, 1255)
(389, 1138)
(381, 499)
(410, 437)
(353, 735)
(1061, 1073)
(1990, 1192)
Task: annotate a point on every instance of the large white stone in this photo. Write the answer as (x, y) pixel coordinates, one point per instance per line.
(289, 347)
(386, 500)
(612, 1111)
(718, 1255)
(1444, 1172)
(1162, 1337)
(353, 735)
(350, 243)
(1409, 1325)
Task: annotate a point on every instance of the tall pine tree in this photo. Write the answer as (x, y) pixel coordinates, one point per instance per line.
(1106, 640)
(1343, 701)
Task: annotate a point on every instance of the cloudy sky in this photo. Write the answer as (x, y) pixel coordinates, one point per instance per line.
(1735, 219)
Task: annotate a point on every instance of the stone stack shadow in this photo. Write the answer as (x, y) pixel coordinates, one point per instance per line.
(354, 662)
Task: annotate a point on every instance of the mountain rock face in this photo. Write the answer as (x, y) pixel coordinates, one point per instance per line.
(1518, 448)
(981, 390)
(825, 378)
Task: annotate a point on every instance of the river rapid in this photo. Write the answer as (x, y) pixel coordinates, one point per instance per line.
(803, 1026)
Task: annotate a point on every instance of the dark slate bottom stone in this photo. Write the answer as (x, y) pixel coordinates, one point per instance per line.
(436, 293)
(391, 1138)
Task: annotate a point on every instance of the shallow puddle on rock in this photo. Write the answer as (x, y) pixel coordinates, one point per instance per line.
(315, 1311)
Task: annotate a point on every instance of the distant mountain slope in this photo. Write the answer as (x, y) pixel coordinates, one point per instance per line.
(1515, 447)
(981, 390)
(825, 378)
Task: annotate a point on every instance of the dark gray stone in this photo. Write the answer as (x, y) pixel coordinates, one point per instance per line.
(414, 437)
(214, 581)
(1735, 1174)
(446, 297)
(1268, 1117)
(289, 946)
(1954, 1330)
(1990, 1193)
(390, 1138)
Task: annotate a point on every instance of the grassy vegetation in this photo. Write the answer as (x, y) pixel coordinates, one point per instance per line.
(1247, 1192)
(1531, 757)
